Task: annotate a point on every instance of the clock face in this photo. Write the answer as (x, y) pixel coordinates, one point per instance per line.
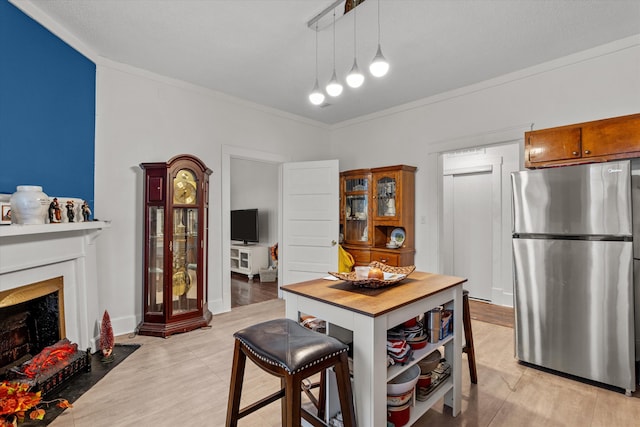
(184, 188)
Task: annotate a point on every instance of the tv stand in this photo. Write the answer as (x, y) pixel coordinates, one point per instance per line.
(248, 259)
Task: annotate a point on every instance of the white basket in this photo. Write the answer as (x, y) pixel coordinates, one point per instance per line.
(268, 275)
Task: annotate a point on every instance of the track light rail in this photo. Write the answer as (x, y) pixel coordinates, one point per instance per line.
(312, 23)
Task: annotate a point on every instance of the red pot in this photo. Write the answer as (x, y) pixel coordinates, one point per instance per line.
(424, 380)
(399, 415)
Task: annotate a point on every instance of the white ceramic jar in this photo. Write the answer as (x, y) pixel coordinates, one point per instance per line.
(28, 205)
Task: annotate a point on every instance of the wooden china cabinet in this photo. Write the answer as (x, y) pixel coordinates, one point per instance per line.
(175, 246)
(377, 211)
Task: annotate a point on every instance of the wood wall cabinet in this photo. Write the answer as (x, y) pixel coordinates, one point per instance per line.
(175, 246)
(374, 204)
(597, 141)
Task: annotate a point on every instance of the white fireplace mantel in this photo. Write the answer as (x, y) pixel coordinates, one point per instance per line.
(33, 253)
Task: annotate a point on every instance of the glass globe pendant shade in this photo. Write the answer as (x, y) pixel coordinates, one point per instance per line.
(379, 66)
(316, 97)
(355, 78)
(334, 88)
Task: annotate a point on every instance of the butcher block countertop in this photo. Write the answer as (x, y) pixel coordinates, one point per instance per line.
(374, 302)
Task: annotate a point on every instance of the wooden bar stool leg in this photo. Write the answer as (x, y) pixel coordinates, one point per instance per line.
(283, 401)
(293, 399)
(322, 394)
(235, 388)
(345, 393)
(468, 337)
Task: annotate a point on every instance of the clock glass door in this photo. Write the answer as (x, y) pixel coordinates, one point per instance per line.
(185, 258)
(185, 243)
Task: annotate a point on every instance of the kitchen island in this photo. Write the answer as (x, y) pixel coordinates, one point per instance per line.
(363, 316)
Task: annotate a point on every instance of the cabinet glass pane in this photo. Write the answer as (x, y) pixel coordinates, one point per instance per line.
(156, 259)
(244, 260)
(184, 278)
(356, 210)
(386, 196)
(357, 184)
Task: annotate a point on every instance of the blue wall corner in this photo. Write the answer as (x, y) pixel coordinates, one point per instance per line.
(47, 110)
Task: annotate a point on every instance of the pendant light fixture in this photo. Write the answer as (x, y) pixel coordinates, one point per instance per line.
(316, 97)
(334, 88)
(355, 78)
(379, 65)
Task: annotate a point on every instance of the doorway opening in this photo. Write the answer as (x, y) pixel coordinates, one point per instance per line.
(243, 174)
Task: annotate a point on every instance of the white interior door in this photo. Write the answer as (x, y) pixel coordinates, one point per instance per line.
(470, 202)
(310, 220)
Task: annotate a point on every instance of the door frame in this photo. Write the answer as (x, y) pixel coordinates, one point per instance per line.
(223, 301)
(434, 235)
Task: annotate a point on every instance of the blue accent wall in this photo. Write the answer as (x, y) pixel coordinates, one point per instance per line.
(47, 110)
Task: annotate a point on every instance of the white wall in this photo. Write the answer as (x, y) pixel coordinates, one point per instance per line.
(255, 185)
(595, 84)
(143, 117)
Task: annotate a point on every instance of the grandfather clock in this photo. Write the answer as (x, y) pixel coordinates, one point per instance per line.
(176, 210)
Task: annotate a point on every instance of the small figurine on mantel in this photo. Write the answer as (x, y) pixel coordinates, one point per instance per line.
(55, 215)
(86, 211)
(70, 213)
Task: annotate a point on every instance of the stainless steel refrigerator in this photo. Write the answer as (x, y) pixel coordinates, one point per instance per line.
(573, 258)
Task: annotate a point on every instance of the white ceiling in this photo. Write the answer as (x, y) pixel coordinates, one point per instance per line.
(263, 51)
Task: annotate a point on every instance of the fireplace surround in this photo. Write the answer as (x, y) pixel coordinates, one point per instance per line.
(35, 253)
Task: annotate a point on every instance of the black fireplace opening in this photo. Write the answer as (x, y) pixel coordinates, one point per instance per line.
(27, 328)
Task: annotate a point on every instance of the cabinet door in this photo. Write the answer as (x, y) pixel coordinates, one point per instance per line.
(611, 137)
(387, 198)
(357, 210)
(554, 144)
(244, 260)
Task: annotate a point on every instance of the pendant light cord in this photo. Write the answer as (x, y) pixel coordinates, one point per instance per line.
(334, 39)
(316, 51)
(355, 6)
(378, 22)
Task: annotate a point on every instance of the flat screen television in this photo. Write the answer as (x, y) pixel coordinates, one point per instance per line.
(244, 225)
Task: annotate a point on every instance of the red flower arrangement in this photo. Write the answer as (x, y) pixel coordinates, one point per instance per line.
(16, 400)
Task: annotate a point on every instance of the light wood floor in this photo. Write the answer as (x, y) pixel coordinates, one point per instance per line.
(184, 380)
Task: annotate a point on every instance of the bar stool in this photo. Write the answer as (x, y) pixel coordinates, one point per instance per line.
(468, 338)
(285, 349)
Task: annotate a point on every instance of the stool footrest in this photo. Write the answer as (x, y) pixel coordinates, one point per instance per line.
(261, 403)
(313, 420)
